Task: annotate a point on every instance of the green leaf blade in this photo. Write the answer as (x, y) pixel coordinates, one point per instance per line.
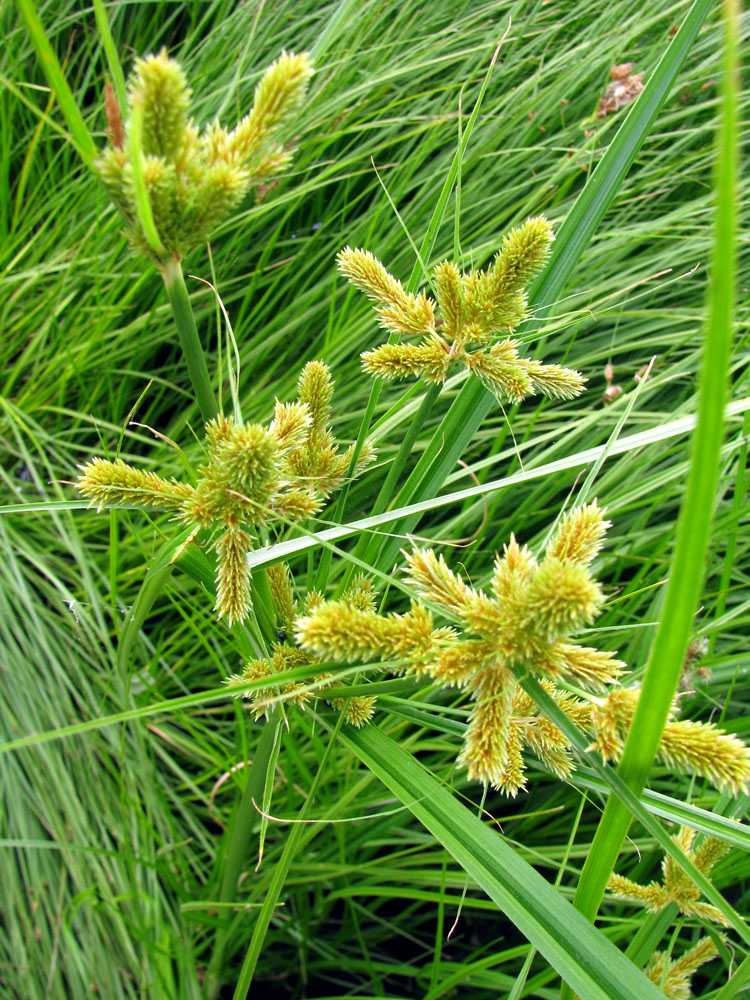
(585, 959)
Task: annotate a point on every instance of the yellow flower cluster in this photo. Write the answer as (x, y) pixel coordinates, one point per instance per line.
(469, 310)
(254, 476)
(673, 976)
(193, 179)
(358, 709)
(676, 887)
(529, 619)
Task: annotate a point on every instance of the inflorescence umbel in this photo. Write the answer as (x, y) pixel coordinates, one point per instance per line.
(254, 476)
(285, 655)
(459, 328)
(676, 887)
(672, 975)
(193, 179)
(528, 620)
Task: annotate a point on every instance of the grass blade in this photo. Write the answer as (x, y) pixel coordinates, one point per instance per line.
(693, 529)
(633, 442)
(589, 210)
(238, 839)
(585, 959)
(110, 50)
(80, 135)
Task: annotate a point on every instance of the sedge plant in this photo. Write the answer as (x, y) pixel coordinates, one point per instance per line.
(257, 478)
(173, 184)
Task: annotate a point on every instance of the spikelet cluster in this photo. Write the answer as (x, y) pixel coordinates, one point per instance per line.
(677, 887)
(699, 748)
(529, 618)
(285, 655)
(318, 461)
(194, 179)
(458, 328)
(673, 977)
(254, 476)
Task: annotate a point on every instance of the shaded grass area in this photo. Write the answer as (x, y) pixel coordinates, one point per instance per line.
(110, 838)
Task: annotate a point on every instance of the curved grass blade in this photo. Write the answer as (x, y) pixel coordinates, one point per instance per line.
(583, 957)
(632, 442)
(110, 51)
(693, 529)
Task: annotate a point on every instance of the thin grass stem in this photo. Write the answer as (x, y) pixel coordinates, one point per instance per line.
(192, 351)
(238, 840)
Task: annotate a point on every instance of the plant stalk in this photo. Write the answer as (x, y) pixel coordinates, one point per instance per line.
(192, 351)
(237, 841)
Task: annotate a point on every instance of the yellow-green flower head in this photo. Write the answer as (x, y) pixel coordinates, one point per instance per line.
(254, 476)
(159, 85)
(241, 475)
(458, 327)
(530, 618)
(192, 180)
(677, 887)
(246, 458)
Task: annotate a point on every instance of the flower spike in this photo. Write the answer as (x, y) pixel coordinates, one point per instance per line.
(253, 476)
(676, 887)
(530, 618)
(470, 309)
(285, 655)
(194, 180)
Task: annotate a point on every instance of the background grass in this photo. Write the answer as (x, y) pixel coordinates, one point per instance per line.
(110, 838)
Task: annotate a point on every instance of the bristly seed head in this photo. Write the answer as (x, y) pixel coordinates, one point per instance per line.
(194, 180)
(254, 476)
(470, 309)
(529, 619)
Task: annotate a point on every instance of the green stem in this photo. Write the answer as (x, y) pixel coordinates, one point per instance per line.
(278, 879)
(740, 977)
(693, 530)
(397, 466)
(324, 566)
(195, 359)
(237, 841)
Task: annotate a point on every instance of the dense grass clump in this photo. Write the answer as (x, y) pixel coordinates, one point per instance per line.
(199, 808)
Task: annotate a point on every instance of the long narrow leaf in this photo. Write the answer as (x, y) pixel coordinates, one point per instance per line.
(80, 135)
(584, 958)
(687, 570)
(633, 442)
